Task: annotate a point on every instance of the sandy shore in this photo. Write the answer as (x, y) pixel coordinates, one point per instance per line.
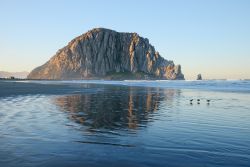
(12, 88)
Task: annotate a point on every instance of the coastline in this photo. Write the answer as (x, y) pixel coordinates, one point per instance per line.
(26, 86)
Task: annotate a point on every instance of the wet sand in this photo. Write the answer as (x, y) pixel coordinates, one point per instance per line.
(83, 124)
(14, 88)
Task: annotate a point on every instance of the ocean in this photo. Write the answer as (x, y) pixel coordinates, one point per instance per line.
(125, 123)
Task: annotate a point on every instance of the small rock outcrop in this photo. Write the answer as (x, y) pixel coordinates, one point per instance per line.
(199, 77)
(103, 53)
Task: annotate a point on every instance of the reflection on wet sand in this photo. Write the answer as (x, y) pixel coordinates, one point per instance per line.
(115, 107)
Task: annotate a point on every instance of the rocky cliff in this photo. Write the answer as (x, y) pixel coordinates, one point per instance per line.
(104, 53)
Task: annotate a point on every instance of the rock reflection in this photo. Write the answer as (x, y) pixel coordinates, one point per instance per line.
(115, 107)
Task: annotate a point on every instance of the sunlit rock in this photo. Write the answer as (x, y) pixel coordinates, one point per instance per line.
(104, 53)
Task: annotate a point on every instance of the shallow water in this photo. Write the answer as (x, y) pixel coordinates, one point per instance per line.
(86, 124)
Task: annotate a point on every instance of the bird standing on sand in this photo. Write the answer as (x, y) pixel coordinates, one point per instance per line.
(198, 101)
(191, 101)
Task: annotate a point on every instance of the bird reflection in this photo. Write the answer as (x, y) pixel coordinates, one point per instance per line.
(115, 107)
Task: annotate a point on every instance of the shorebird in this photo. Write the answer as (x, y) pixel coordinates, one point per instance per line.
(198, 101)
(208, 101)
(191, 101)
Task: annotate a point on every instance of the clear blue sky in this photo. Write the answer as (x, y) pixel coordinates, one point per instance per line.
(210, 37)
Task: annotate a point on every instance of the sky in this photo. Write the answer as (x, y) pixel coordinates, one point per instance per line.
(211, 37)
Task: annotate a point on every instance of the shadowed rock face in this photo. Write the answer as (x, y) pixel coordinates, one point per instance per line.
(101, 53)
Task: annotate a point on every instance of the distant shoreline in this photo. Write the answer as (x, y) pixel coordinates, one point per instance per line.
(117, 79)
(21, 79)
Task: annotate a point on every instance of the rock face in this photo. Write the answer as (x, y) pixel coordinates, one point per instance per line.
(101, 53)
(199, 77)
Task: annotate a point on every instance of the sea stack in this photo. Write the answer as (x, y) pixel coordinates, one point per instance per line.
(199, 77)
(106, 54)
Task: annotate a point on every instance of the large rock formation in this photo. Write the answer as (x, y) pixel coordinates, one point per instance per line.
(104, 53)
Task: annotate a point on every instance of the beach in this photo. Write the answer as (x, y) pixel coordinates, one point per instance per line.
(124, 123)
